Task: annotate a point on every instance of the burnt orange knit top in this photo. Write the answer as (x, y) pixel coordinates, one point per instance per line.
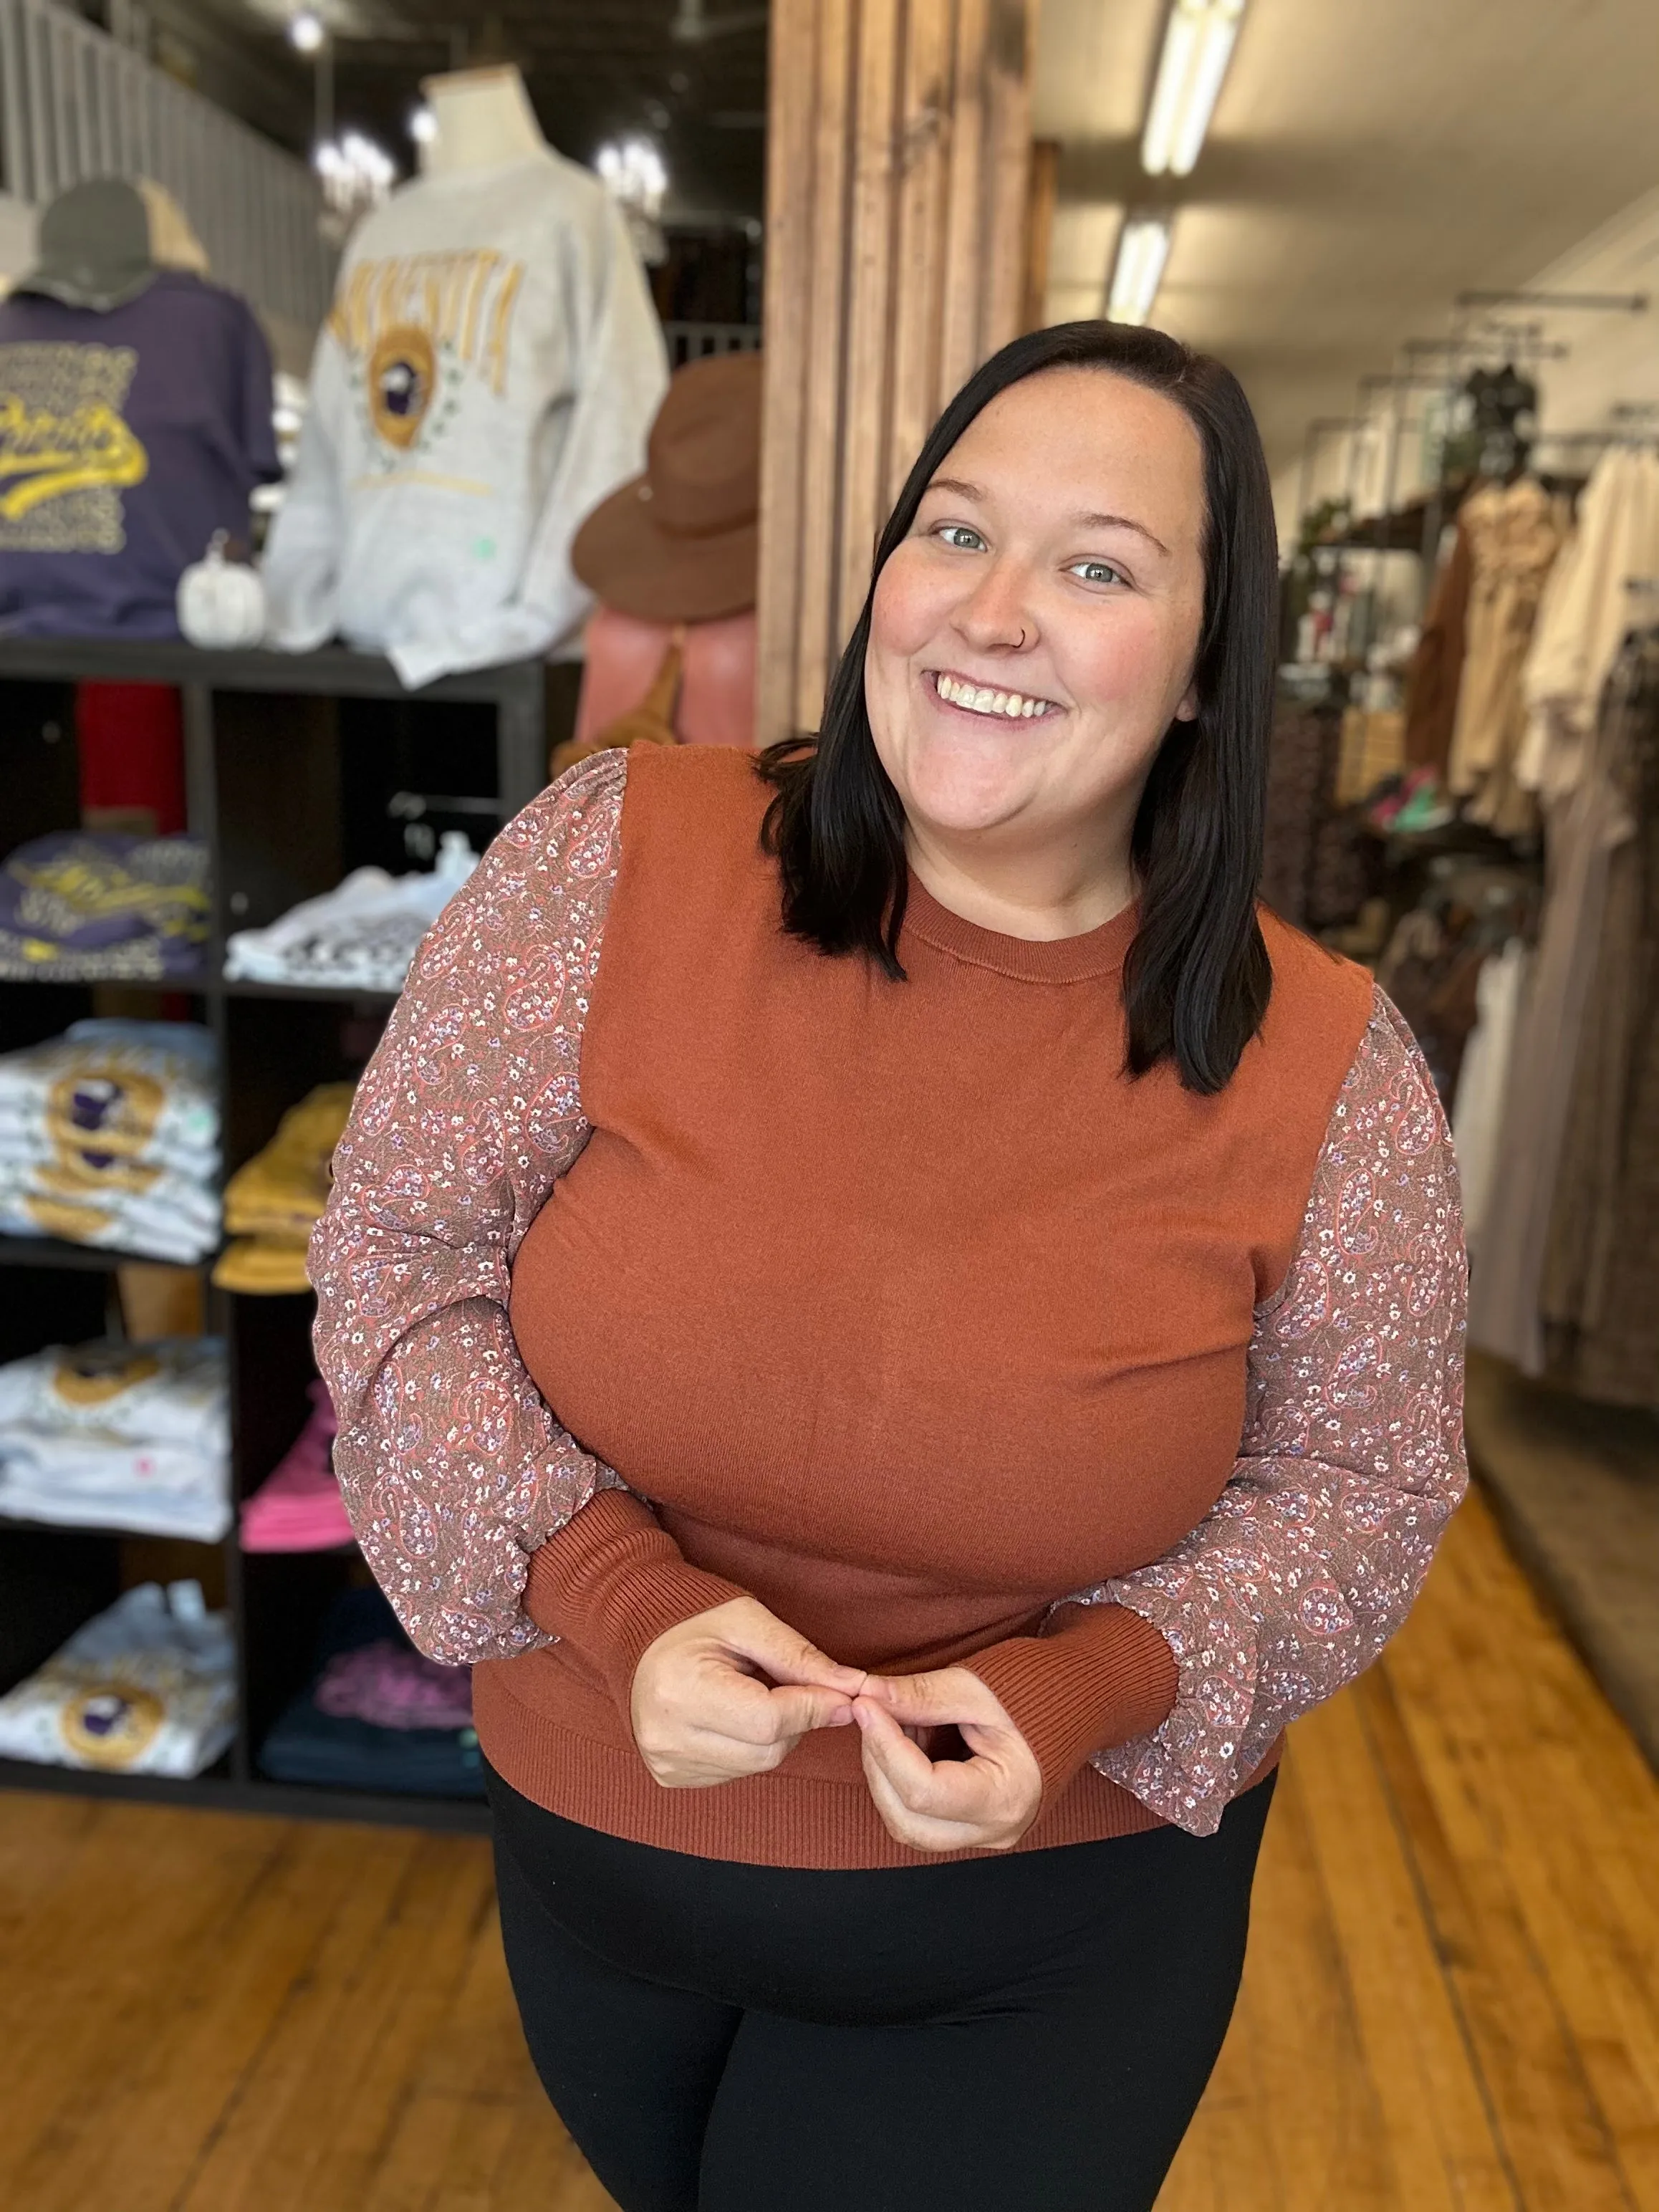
(896, 1303)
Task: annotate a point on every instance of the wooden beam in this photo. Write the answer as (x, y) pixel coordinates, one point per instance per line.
(896, 262)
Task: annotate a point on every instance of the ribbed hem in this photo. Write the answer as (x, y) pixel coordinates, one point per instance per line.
(611, 1582)
(1105, 1676)
(782, 1819)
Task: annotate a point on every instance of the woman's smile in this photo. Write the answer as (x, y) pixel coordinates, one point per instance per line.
(968, 696)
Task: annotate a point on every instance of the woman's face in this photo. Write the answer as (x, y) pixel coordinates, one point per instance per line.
(1033, 636)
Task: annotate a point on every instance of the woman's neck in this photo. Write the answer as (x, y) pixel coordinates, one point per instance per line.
(1059, 892)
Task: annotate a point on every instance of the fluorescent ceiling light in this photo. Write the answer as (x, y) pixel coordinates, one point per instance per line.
(1143, 248)
(1198, 45)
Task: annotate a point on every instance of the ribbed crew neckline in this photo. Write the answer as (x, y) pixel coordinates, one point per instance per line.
(1024, 959)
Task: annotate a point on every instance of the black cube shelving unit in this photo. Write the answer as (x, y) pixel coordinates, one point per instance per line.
(298, 768)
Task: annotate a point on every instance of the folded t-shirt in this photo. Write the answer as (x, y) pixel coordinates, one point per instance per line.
(170, 1390)
(148, 1687)
(309, 1745)
(75, 904)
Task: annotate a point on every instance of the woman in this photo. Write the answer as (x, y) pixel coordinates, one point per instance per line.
(986, 1310)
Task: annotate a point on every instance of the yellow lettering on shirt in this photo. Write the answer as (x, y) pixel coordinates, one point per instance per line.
(413, 322)
(67, 451)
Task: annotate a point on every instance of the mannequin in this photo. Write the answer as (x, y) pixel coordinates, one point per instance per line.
(484, 120)
(489, 371)
(714, 704)
(135, 418)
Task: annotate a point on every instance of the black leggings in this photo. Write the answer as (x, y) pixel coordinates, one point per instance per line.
(1019, 2033)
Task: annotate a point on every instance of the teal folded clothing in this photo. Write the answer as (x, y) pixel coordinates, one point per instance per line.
(342, 1751)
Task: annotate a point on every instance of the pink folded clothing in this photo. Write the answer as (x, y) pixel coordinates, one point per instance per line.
(297, 1507)
(394, 1687)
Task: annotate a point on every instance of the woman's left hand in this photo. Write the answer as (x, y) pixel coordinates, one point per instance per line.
(984, 1803)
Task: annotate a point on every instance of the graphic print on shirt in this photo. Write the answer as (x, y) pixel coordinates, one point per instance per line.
(98, 1374)
(112, 1724)
(99, 1127)
(66, 449)
(418, 330)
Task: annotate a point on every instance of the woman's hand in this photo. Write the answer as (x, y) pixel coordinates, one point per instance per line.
(984, 1803)
(703, 1710)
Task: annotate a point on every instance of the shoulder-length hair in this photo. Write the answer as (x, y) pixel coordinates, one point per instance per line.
(1197, 979)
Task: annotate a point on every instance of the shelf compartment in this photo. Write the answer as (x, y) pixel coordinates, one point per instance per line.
(60, 1252)
(217, 1792)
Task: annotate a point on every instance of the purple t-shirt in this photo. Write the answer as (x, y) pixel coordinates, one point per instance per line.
(126, 439)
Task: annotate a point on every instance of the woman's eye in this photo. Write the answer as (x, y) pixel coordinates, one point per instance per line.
(965, 540)
(1098, 572)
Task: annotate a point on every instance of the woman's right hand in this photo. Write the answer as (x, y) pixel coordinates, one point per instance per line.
(732, 1692)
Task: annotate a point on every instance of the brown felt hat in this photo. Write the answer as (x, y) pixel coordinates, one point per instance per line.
(679, 543)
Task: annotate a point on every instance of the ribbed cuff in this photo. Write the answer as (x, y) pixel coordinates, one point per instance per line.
(1105, 1675)
(611, 1582)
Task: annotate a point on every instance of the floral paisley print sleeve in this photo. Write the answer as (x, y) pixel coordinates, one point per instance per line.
(452, 1468)
(1351, 1461)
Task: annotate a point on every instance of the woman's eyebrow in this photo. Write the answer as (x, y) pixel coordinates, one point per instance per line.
(961, 490)
(1120, 522)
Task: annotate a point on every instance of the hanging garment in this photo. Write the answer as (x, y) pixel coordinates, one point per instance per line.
(129, 750)
(1601, 1284)
(362, 935)
(298, 1507)
(148, 1687)
(1514, 533)
(1302, 758)
(109, 1136)
(488, 373)
(1437, 669)
(1595, 597)
(83, 907)
(127, 438)
(1583, 830)
(1483, 1081)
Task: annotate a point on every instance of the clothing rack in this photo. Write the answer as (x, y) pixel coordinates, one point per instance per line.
(291, 762)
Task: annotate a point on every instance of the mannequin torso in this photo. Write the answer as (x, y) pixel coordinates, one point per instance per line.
(484, 120)
(716, 704)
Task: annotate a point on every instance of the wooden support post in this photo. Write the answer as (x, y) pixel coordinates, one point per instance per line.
(896, 263)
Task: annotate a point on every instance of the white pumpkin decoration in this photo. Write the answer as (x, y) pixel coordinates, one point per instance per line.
(221, 603)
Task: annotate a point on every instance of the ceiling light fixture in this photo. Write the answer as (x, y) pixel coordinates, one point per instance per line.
(1198, 45)
(356, 175)
(1143, 248)
(636, 179)
(306, 32)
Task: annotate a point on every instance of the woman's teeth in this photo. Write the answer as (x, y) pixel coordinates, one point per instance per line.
(981, 699)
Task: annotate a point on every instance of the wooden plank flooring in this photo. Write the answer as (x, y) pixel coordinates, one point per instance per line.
(1451, 2004)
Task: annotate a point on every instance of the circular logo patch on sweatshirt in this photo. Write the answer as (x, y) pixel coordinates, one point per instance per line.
(111, 1724)
(403, 375)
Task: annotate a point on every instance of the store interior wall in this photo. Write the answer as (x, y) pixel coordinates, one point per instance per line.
(1360, 169)
(1598, 362)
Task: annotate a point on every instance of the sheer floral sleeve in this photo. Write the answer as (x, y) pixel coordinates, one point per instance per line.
(452, 1467)
(1352, 1460)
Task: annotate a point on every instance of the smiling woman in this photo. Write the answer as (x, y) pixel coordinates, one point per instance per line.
(904, 1409)
(1090, 526)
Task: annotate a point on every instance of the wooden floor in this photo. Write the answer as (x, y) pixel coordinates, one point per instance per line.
(1452, 1999)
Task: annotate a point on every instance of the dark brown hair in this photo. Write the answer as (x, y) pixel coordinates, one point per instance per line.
(1197, 980)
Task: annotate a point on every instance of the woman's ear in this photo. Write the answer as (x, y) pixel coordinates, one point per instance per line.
(1188, 710)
